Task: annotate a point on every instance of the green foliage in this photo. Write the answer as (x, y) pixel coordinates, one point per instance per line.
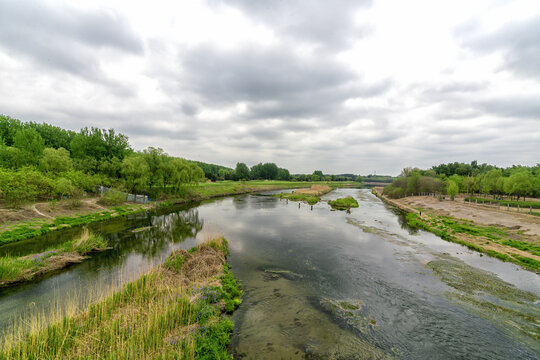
(13, 267)
(343, 203)
(55, 160)
(212, 340)
(452, 189)
(231, 291)
(242, 171)
(113, 198)
(30, 143)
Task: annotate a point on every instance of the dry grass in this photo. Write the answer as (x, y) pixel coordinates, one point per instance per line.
(160, 316)
(316, 190)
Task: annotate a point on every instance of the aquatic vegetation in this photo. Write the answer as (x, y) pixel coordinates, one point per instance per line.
(485, 294)
(166, 314)
(349, 313)
(343, 203)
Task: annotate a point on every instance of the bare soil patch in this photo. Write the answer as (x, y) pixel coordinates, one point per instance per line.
(489, 216)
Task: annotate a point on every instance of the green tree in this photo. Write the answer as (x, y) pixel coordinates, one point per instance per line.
(520, 183)
(30, 143)
(452, 189)
(136, 173)
(63, 187)
(242, 171)
(55, 160)
(283, 174)
(413, 183)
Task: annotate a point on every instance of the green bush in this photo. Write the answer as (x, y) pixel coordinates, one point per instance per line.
(112, 198)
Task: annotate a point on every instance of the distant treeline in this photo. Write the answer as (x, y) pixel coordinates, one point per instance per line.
(453, 178)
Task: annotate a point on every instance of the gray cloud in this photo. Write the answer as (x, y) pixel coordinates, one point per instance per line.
(275, 82)
(519, 41)
(65, 39)
(329, 24)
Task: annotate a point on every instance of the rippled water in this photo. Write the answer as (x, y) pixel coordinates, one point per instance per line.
(325, 284)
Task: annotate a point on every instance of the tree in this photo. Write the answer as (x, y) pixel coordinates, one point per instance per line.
(242, 171)
(155, 158)
(30, 143)
(55, 160)
(452, 189)
(136, 173)
(520, 183)
(283, 174)
(413, 183)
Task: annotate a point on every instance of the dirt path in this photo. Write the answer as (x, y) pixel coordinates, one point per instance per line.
(529, 224)
(521, 227)
(39, 212)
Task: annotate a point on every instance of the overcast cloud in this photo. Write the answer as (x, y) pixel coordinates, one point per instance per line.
(340, 86)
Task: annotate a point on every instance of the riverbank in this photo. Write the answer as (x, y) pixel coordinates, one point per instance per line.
(41, 218)
(26, 268)
(178, 310)
(509, 237)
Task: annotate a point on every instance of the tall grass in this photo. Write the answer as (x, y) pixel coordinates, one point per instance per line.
(13, 267)
(170, 313)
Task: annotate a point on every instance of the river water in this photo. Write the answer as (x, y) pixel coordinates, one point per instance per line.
(317, 283)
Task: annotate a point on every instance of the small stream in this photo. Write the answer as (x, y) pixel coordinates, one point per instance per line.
(318, 283)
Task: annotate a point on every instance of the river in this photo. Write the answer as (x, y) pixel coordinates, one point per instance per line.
(317, 283)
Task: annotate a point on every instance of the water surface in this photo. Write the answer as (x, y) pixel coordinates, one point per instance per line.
(324, 284)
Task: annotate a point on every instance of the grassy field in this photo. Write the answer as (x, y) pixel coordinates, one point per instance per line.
(177, 311)
(16, 269)
(223, 188)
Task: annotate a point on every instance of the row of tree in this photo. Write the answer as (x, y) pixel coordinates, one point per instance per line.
(515, 181)
(40, 162)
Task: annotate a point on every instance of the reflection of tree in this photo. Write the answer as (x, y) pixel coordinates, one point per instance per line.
(402, 218)
(240, 202)
(162, 230)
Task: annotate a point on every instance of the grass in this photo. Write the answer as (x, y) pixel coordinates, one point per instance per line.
(343, 203)
(23, 231)
(13, 267)
(449, 228)
(16, 269)
(170, 313)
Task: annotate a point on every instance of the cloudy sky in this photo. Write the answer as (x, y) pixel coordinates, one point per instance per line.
(341, 86)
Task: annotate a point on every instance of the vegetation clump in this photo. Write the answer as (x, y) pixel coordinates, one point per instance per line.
(343, 203)
(174, 312)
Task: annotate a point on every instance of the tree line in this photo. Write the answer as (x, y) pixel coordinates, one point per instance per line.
(43, 162)
(39, 161)
(453, 178)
